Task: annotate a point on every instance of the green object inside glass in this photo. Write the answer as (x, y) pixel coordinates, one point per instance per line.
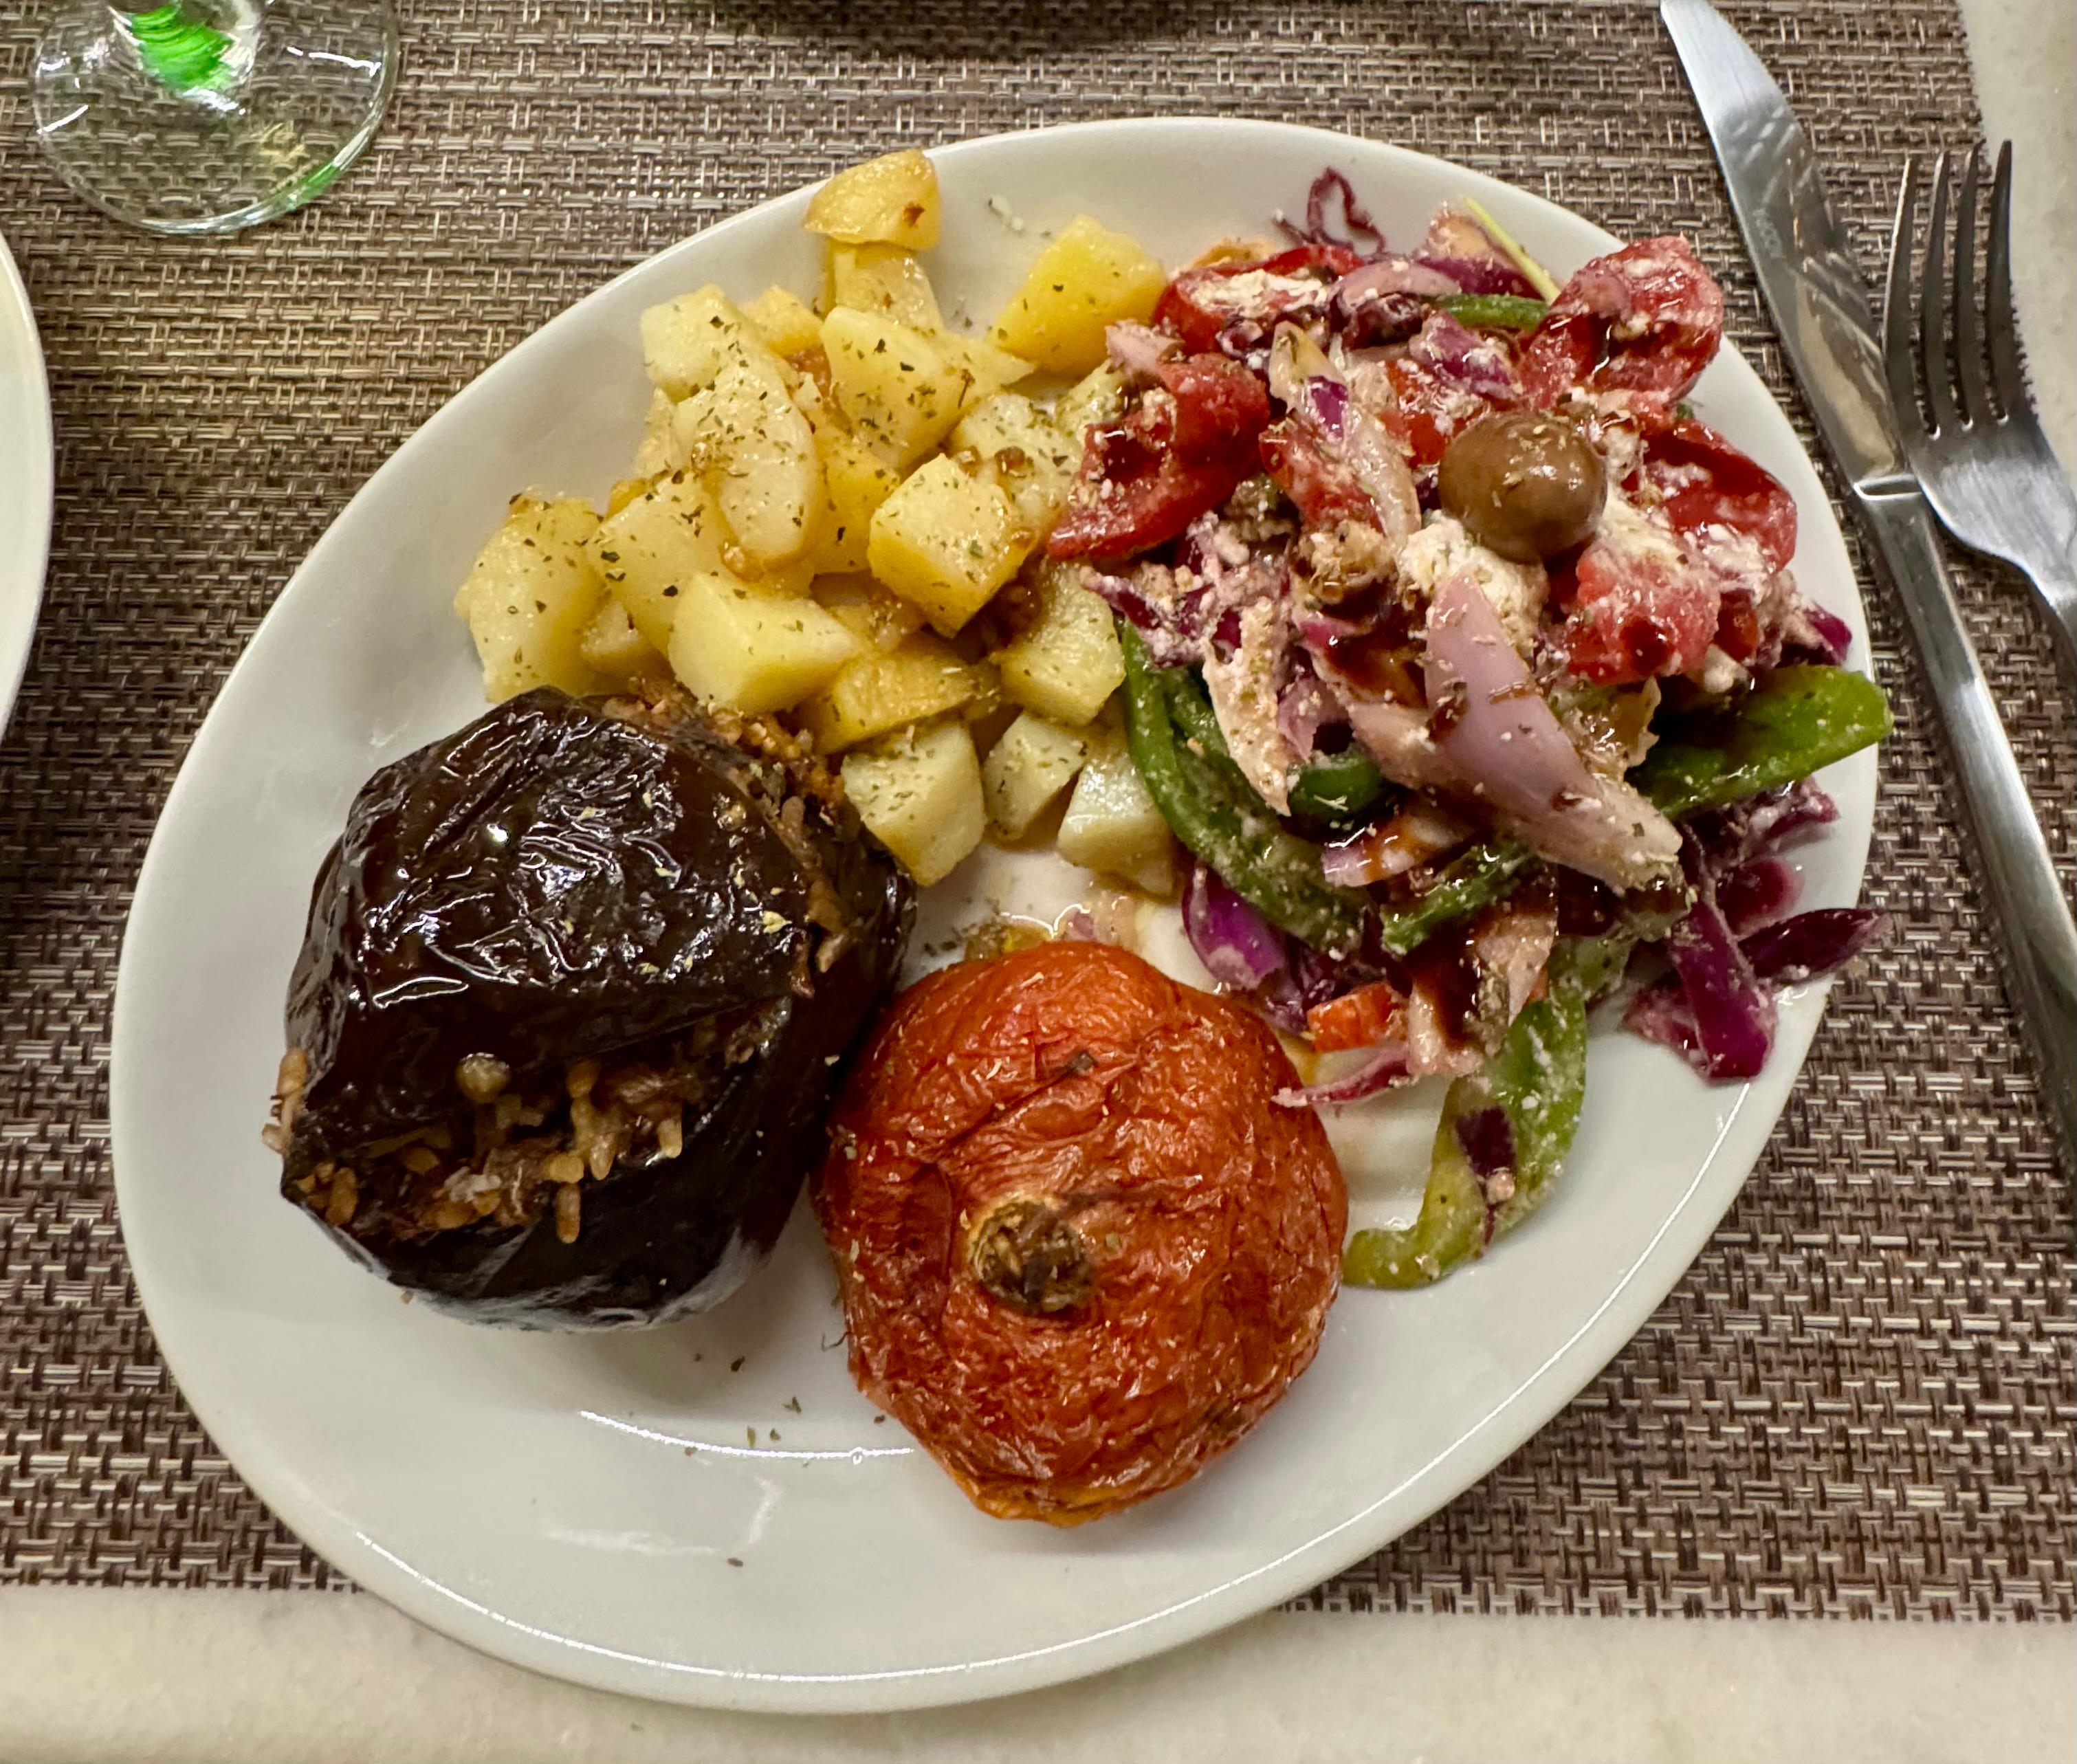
(178, 49)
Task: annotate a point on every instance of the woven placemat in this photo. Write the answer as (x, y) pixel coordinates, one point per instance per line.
(1859, 1401)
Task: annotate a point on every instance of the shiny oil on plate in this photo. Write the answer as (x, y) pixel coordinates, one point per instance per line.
(711, 1513)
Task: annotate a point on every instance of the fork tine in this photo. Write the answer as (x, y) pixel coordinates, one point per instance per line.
(1933, 308)
(2009, 377)
(1898, 361)
(1968, 318)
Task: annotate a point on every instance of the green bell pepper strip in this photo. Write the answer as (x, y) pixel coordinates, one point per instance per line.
(1798, 720)
(1495, 312)
(1475, 878)
(1339, 789)
(1537, 1079)
(1207, 806)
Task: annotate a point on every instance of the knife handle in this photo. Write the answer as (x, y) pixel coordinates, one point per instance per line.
(2020, 888)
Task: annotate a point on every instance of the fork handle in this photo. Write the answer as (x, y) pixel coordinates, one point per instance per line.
(2020, 889)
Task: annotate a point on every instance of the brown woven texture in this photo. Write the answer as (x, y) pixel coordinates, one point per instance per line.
(1859, 1401)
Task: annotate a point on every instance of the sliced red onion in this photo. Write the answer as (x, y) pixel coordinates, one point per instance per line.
(1734, 1013)
(1385, 1067)
(1238, 947)
(1372, 321)
(1416, 834)
(1363, 235)
(1730, 836)
(1760, 892)
(1659, 1013)
(1158, 623)
(1466, 361)
(1488, 1139)
(1813, 944)
(1393, 274)
(1325, 404)
(1506, 746)
(1304, 705)
(1815, 633)
(1480, 275)
(1136, 350)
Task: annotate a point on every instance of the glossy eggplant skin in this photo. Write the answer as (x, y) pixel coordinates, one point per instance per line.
(568, 879)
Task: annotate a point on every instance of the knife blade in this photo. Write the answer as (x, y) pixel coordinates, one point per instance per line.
(1805, 262)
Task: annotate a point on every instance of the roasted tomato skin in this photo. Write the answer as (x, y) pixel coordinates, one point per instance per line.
(1180, 1230)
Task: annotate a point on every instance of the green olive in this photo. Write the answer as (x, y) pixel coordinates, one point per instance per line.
(1525, 483)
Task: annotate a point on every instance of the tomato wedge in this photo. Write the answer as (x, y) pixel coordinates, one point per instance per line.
(1199, 304)
(1369, 1017)
(1181, 450)
(1637, 616)
(1325, 489)
(1704, 481)
(1645, 319)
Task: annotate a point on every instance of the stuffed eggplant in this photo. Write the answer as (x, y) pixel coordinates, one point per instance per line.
(575, 990)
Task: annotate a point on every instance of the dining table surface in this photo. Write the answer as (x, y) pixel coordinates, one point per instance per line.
(1821, 1506)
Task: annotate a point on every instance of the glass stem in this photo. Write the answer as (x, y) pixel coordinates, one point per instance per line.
(200, 49)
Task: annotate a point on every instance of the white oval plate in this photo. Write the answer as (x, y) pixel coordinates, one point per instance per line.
(711, 1513)
(26, 478)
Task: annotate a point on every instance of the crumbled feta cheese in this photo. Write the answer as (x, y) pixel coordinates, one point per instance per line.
(1243, 693)
(1516, 591)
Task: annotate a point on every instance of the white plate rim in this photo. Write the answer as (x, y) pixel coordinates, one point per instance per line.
(28, 470)
(1570, 1365)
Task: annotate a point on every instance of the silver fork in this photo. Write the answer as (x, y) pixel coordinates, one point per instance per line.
(1981, 458)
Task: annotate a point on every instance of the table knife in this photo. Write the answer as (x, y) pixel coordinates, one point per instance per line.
(1805, 264)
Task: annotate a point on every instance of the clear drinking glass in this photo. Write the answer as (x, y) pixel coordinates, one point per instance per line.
(203, 116)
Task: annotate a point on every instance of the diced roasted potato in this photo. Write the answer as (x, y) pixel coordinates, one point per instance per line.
(1022, 455)
(889, 200)
(899, 393)
(529, 594)
(651, 548)
(918, 679)
(685, 341)
(753, 652)
(1031, 763)
(786, 323)
(1113, 827)
(1097, 397)
(658, 450)
(1087, 278)
(612, 648)
(946, 542)
(989, 368)
(921, 795)
(878, 619)
(745, 434)
(1066, 663)
(857, 481)
(886, 280)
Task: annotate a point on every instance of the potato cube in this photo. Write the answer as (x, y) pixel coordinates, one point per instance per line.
(1068, 662)
(878, 619)
(886, 280)
(528, 596)
(1113, 827)
(1097, 397)
(1023, 455)
(989, 368)
(685, 340)
(745, 434)
(658, 450)
(918, 679)
(1031, 763)
(612, 648)
(889, 200)
(899, 393)
(945, 541)
(1087, 279)
(785, 323)
(645, 553)
(753, 652)
(857, 480)
(920, 796)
